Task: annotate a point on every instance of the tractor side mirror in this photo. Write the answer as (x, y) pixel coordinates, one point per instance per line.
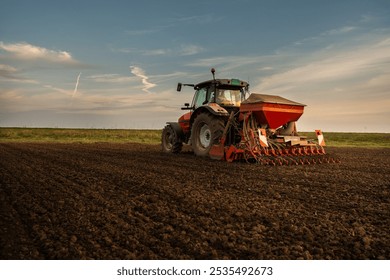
(187, 107)
(179, 86)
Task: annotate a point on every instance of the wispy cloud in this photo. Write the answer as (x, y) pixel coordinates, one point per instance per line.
(136, 32)
(163, 78)
(150, 52)
(6, 69)
(198, 19)
(190, 49)
(111, 78)
(182, 50)
(156, 52)
(340, 31)
(173, 22)
(10, 73)
(25, 51)
(147, 31)
(234, 63)
(52, 88)
(140, 73)
(77, 85)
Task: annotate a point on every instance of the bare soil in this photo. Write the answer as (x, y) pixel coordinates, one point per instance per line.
(131, 201)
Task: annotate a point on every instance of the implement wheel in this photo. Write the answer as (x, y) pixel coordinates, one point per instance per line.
(206, 131)
(170, 141)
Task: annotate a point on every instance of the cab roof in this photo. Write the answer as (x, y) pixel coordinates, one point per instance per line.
(222, 82)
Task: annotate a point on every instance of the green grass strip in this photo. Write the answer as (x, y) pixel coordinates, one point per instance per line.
(153, 136)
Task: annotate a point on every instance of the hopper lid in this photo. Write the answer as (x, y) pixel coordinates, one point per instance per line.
(266, 98)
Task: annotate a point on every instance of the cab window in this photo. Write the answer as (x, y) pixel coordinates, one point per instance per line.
(200, 97)
(229, 97)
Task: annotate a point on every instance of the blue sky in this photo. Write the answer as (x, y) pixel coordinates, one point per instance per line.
(115, 64)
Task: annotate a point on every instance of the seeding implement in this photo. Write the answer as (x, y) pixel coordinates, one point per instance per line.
(225, 122)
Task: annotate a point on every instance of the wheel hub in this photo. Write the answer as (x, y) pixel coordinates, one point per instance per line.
(169, 140)
(205, 136)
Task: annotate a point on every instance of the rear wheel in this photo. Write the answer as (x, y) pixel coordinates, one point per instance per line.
(170, 142)
(206, 131)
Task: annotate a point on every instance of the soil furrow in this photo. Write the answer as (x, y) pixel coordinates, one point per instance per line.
(131, 201)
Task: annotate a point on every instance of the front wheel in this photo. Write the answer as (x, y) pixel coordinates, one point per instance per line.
(206, 131)
(170, 142)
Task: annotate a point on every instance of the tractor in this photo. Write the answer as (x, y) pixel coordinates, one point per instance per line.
(226, 122)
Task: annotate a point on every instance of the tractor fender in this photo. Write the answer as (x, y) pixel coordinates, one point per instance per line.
(212, 108)
(178, 130)
(217, 110)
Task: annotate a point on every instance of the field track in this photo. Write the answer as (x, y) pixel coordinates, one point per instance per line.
(130, 201)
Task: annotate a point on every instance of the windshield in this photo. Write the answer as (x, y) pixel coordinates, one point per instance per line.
(229, 97)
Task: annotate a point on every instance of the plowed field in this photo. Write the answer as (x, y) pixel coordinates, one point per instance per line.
(130, 201)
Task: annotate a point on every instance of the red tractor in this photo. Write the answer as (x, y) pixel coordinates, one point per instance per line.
(225, 122)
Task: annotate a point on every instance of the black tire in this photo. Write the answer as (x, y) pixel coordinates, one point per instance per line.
(206, 131)
(170, 142)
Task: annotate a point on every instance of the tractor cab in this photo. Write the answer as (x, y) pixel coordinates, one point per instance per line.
(219, 97)
(224, 92)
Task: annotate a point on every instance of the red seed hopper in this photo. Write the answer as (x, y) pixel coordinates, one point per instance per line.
(271, 110)
(269, 133)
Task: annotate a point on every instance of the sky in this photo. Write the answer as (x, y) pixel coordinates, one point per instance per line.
(116, 64)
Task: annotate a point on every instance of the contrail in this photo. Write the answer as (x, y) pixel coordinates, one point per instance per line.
(77, 85)
(141, 74)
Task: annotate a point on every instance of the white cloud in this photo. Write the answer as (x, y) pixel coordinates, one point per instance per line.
(334, 65)
(25, 51)
(140, 73)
